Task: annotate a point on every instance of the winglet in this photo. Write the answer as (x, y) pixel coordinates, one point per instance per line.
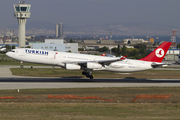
(123, 57)
(158, 54)
(104, 54)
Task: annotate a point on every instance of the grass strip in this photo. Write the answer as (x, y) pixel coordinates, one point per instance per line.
(86, 111)
(40, 107)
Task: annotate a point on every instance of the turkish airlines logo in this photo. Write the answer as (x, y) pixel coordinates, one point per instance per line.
(159, 52)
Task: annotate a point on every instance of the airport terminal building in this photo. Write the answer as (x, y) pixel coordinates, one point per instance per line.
(172, 54)
(56, 45)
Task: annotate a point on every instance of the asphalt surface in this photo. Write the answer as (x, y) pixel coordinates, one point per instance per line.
(9, 81)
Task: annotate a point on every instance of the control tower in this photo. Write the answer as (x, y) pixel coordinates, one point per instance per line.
(22, 12)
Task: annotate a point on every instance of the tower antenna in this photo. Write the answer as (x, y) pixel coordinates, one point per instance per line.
(173, 38)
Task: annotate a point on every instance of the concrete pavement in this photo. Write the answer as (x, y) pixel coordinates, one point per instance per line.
(5, 71)
(9, 81)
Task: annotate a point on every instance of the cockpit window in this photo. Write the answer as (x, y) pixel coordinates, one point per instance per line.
(12, 50)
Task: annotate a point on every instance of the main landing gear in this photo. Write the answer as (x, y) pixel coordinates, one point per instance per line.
(88, 74)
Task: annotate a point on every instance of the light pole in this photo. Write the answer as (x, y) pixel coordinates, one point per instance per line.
(110, 41)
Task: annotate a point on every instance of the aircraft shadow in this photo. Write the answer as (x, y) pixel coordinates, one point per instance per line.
(81, 80)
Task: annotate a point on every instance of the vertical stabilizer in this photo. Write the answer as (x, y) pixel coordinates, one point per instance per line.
(158, 54)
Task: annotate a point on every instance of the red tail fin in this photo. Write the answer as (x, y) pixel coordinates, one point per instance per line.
(158, 54)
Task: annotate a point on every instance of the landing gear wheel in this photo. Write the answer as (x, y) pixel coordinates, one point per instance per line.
(21, 66)
(31, 66)
(84, 73)
(91, 77)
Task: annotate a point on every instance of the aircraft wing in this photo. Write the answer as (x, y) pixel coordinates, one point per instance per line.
(102, 62)
(94, 64)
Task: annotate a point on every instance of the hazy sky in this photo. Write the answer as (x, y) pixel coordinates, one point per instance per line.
(88, 12)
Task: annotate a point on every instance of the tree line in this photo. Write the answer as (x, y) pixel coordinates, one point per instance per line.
(139, 51)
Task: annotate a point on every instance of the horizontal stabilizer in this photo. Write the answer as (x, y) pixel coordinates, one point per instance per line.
(155, 65)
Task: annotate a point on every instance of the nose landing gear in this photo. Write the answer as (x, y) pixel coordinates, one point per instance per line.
(21, 66)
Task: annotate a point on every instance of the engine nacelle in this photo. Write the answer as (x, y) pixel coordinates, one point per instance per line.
(93, 65)
(73, 66)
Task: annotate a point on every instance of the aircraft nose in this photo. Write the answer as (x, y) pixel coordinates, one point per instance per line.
(8, 54)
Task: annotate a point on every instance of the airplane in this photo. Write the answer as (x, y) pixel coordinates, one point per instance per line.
(3, 49)
(108, 55)
(121, 58)
(88, 63)
(178, 62)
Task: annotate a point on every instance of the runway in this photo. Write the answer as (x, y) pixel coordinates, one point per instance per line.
(30, 83)
(9, 81)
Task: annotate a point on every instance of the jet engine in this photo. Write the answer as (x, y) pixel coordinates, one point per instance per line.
(93, 65)
(72, 66)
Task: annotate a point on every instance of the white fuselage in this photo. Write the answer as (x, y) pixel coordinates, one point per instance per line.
(129, 65)
(60, 58)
